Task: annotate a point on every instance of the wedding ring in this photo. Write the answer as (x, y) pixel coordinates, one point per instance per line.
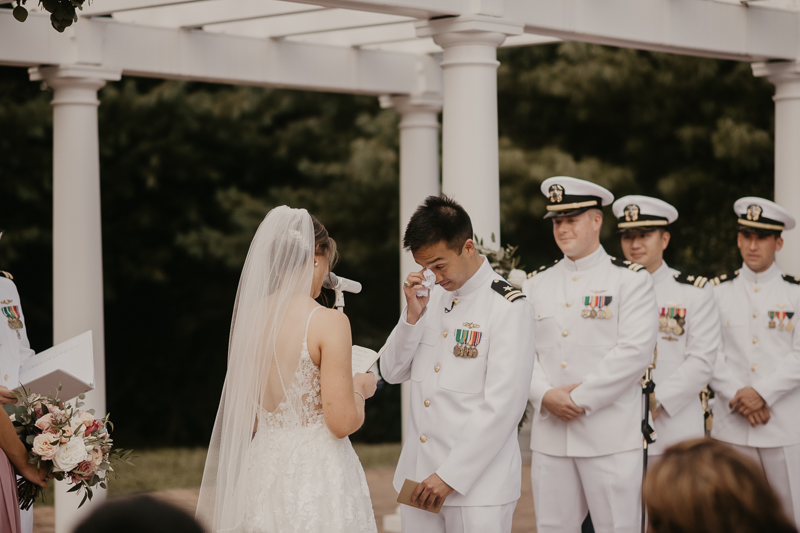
(406, 284)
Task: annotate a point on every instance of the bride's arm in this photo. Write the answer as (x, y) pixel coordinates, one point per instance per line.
(342, 407)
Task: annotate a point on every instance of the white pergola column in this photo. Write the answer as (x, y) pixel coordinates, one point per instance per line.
(470, 166)
(419, 178)
(786, 78)
(77, 242)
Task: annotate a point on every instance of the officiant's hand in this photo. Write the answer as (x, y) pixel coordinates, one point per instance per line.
(558, 401)
(6, 396)
(431, 493)
(416, 304)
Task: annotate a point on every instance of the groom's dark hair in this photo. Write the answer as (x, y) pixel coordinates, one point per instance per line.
(438, 219)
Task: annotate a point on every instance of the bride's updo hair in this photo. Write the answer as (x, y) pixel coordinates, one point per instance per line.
(324, 245)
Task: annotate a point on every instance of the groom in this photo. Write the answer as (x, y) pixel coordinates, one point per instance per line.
(466, 348)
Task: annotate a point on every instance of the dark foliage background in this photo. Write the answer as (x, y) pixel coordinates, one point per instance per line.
(189, 170)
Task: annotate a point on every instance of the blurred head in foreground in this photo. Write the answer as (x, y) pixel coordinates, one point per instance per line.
(137, 515)
(704, 486)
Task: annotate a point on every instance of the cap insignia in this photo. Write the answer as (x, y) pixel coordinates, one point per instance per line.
(556, 193)
(631, 213)
(753, 212)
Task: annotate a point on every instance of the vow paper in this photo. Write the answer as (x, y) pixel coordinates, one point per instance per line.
(70, 364)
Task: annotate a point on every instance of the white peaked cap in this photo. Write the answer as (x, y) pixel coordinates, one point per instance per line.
(643, 212)
(762, 214)
(570, 196)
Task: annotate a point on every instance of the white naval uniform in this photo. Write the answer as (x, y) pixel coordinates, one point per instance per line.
(464, 411)
(767, 359)
(685, 362)
(594, 462)
(14, 351)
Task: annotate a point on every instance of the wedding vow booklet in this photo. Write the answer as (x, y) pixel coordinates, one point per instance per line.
(405, 496)
(364, 359)
(70, 364)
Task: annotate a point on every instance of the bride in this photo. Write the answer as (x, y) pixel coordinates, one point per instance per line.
(279, 458)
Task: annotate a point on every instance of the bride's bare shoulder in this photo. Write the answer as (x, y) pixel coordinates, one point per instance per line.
(331, 318)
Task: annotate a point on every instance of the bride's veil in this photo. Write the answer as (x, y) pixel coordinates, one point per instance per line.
(278, 270)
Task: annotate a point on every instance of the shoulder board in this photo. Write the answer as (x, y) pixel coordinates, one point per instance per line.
(697, 281)
(791, 279)
(543, 268)
(723, 278)
(506, 290)
(636, 267)
(6, 274)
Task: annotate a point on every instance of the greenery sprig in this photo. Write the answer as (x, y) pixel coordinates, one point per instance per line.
(62, 12)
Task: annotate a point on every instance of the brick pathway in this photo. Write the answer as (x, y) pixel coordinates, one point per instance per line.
(380, 486)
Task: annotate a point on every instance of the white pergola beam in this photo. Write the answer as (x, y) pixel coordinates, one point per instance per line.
(306, 23)
(195, 15)
(420, 9)
(694, 27)
(107, 7)
(204, 56)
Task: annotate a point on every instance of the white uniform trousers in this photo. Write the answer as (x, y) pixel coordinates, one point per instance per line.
(26, 520)
(782, 467)
(608, 486)
(458, 519)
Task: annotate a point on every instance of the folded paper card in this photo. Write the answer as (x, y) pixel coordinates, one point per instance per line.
(405, 496)
(364, 359)
(69, 364)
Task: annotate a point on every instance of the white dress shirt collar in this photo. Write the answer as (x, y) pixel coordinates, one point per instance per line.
(663, 272)
(760, 277)
(585, 263)
(477, 280)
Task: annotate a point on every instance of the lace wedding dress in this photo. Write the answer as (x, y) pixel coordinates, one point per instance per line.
(301, 477)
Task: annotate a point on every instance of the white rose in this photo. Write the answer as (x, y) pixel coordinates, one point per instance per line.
(70, 455)
(517, 277)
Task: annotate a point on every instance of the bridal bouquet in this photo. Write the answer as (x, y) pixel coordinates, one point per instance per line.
(67, 442)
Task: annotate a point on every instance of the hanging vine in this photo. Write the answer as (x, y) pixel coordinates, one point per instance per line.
(63, 13)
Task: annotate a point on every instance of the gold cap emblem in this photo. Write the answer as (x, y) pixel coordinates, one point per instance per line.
(631, 213)
(556, 193)
(753, 212)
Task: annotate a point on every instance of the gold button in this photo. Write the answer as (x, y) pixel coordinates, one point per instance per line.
(436, 368)
(728, 323)
(755, 289)
(6, 377)
(538, 316)
(444, 333)
(563, 364)
(755, 340)
(564, 333)
(569, 304)
(755, 315)
(753, 368)
(427, 403)
(575, 277)
(423, 438)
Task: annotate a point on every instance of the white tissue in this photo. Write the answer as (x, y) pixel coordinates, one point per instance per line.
(430, 281)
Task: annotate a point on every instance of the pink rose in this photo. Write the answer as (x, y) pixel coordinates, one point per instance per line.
(87, 469)
(44, 422)
(43, 446)
(86, 418)
(91, 429)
